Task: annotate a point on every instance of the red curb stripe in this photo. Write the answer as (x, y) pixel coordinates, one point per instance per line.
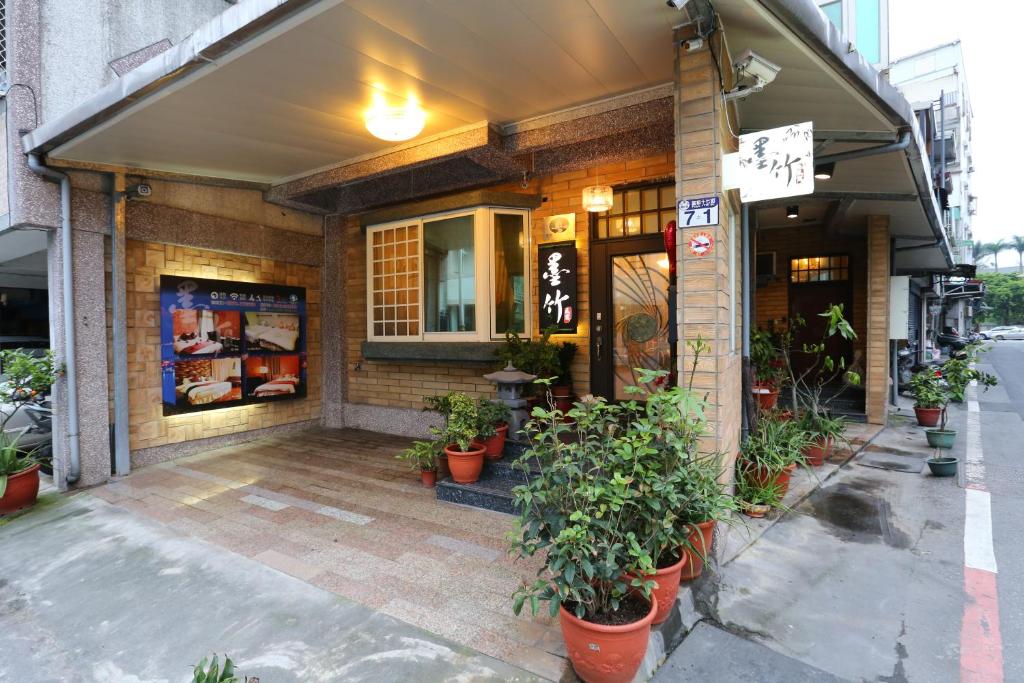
(981, 644)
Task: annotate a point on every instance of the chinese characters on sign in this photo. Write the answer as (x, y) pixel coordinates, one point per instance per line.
(778, 162)
(557, 268)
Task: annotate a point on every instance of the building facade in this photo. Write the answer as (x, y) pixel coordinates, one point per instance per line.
(242, 152)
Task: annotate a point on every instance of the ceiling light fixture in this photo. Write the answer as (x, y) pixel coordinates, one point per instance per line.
(793, 211)
(395, 124)
(825, 171)
(597, 198)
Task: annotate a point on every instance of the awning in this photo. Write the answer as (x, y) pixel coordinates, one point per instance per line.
(272, 92)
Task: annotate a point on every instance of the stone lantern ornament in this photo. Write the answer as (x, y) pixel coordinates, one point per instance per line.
(510, 392)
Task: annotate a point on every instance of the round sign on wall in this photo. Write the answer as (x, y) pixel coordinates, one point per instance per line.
(701, 243)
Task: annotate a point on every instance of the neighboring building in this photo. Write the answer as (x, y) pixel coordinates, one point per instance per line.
(865, 24)
(417, 257)
(934, 81)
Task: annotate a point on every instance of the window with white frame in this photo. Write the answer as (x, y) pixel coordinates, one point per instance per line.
(460, 276)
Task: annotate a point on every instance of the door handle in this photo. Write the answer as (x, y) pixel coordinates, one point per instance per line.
(598, 342)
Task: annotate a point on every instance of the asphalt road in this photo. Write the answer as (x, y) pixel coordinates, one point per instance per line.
(1002, 431)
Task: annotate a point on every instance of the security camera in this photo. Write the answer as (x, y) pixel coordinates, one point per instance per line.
(139, 191)
(753, 73)
(676, 4)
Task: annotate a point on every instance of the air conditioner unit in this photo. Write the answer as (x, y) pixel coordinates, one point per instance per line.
(764, 268)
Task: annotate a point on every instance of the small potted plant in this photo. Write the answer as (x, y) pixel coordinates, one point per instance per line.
(493, 427)
(769, 369)
(707, 503)
(26, 377)
(771, 453)
(422, 456)
(465, 454)
(822, 431)
(561, 390)
(538, 357)
(930, 397)
(757, 499)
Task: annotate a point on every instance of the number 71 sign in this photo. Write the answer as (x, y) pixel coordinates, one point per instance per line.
(698, 212)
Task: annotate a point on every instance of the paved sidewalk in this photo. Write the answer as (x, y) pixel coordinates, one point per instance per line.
(93, 593)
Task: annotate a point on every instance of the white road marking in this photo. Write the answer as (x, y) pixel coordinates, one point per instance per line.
(979, 552)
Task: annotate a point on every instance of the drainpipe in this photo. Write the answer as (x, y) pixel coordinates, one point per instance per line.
(899, 146)
(747, 383)
(68, 294)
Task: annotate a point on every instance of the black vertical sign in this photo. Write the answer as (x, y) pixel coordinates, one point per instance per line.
(558, 298)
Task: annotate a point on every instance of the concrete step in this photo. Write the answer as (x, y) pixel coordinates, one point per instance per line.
(494, 489)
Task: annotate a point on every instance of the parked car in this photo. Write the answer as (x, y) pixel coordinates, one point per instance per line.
(1011, 333)
(991, 333)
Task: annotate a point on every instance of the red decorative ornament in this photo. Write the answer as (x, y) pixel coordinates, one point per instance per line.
(669, 235)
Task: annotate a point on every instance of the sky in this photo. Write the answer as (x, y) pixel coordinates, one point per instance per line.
(993, 47)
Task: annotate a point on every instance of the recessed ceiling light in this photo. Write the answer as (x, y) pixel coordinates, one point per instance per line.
(395, 124)
(793, 211)
(824, 171)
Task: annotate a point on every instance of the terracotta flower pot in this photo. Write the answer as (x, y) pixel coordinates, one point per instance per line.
(563, 397)
(494, 445)
(429, 478)
(606, 654)
(755, 510)
(697, 550)
(667, 589)
(22, 490)
(764, 477)
(818, 450)
(465, 467)
(928, 417)
(767, 397)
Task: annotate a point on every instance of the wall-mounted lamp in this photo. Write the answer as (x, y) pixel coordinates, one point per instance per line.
(597, 198)
(793, 211)
(825, 171)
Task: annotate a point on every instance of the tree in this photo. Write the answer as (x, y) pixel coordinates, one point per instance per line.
(1018, 246)
(994, 249)
(1004, 298)
(981, 250)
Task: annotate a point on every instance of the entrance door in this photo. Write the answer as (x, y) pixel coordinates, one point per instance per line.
(630, 318)
(814, 284)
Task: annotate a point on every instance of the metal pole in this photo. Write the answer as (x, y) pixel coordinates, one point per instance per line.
(122, 455)
(749, 412)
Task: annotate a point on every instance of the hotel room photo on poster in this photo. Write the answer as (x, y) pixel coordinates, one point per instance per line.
(227, 343)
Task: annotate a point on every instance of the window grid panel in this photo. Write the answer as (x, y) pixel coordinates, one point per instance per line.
(819, 269)
(641, 211)
(395, 266)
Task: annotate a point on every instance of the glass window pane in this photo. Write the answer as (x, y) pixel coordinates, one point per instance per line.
(651, 226)
(632, 201)
(868, 24)
(602, 228)
(449, 278)
(615, 227)
(668, 197)
(509, 273)
(632, 225)
(649, 199)
(667, 216)
(834, 12)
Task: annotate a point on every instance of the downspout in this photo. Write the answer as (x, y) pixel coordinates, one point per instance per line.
(900, 145)
(68, 294)
(747, 384)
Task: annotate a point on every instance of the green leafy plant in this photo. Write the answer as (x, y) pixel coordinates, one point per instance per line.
(422, 455)
(819, 427)
(490, 415)
(754, 492)
(441, 404)
(959, 372)
(538, 357)
(209, 671)
(462, 423)
(618, 487)
(12, 460)
(769, 368)
(26, 377)
(566, 353)
(773, 446)
(928, 389)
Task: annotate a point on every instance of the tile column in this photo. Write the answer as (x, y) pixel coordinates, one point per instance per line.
(332, 317)
(708, 291)
(876, 379)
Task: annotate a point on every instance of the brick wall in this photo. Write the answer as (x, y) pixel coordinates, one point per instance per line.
(145, 263)
(404, 384)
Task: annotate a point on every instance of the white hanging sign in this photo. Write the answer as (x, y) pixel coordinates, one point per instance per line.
(778, 162)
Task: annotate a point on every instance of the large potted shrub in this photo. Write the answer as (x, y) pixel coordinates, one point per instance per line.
(422, 457)
(707, 503)
(492, 427)
(960, 372)
(768, 367)
(465, 454)
(771, 452)
(930, 396)
(585, 510)
(538, 357)
(25, 379)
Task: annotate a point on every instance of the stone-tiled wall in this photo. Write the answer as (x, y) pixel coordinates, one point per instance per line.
(145, 262)
(404, 384)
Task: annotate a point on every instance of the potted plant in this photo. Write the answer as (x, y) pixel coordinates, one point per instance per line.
(561, 389)
(959, 372)
(771, 453)
(941, 437)
(25, 379)
(422, 456)
(538, 357)
(207, 671)
(706, 504)
(492, 429)
(769, 369)
(930, 396)
(585, 510)
(465, 454)
(442, 405)
(822, 431)
(757, 499)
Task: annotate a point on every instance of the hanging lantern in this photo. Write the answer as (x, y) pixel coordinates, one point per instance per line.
(597, 198)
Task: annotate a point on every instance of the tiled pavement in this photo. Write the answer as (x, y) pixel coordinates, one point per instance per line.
(335, 509)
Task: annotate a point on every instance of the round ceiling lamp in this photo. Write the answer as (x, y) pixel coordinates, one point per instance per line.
(597, 198)
(395, 124)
